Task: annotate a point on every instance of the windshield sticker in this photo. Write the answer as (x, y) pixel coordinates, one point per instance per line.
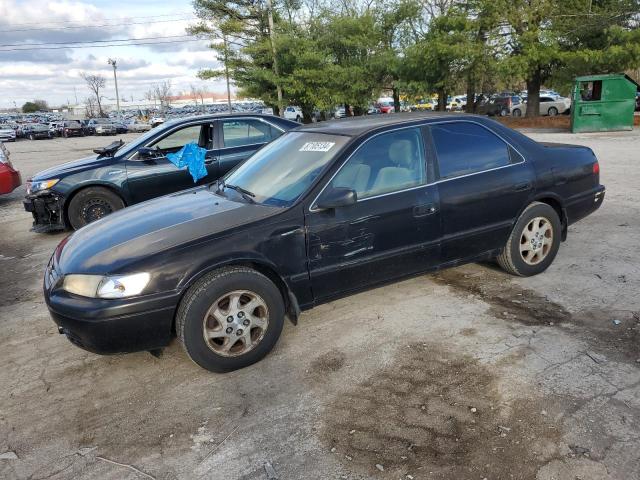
(317, 146)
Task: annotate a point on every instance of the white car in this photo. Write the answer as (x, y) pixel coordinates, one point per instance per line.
(137, 126)
(548, 106)
(155, 121)
(7, 133)
(293, 113)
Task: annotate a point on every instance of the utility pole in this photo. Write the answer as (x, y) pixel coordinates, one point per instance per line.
(276, 70)
(115, 78)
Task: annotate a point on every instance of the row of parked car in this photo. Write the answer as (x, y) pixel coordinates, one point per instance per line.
(10, 132)
(503, 104)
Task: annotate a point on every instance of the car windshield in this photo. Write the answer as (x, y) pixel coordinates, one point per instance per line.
(279, 173)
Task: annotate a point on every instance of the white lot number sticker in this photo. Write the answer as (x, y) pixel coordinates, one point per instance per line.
(317, 146)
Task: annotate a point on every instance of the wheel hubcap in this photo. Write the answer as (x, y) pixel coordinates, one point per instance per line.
(236, 323)
(95, 209)
(536, 241)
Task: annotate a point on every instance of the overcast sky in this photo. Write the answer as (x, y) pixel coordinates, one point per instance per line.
(51, 75)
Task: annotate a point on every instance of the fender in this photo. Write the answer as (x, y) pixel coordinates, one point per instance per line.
(555, 201)
(259, 264)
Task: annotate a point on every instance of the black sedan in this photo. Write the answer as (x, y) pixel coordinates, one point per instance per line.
(77, 193)
(322, 212)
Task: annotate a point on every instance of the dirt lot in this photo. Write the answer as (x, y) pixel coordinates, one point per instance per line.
(467, 374)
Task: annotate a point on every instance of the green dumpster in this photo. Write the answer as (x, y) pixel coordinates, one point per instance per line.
(602, 103)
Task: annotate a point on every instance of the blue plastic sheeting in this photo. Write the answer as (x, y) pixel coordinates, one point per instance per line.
(192, 157)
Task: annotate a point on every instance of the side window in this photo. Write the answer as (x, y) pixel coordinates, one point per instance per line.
(591, 91)
(386, 163)
(236, 133)
(463, 148)
(179, 138)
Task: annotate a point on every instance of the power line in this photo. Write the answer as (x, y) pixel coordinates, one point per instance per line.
(91, 41)
(97, 26)
(99, 46)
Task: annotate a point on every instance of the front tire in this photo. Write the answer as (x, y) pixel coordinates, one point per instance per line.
(533, 243)
(91, 204)
(230, 319)
(553, 111)
(517, 113)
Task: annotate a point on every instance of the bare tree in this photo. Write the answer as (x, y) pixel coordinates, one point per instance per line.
(90, 107)
(95, 84)
(162, 92)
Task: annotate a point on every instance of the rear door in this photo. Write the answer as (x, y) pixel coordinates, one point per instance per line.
(394, 228)
(483, 184)
(240, 138)
(152, 177)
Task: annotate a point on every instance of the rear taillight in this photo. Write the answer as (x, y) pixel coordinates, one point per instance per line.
(596, 168)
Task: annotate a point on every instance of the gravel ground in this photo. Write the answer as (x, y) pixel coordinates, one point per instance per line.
(466, 374)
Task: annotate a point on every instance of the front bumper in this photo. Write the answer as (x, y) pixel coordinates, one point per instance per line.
(47, 210)
(38, 135)
(111, 326)
(72, 133)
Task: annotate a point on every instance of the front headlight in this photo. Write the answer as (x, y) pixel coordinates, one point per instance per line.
(98, 286)
(33, 187)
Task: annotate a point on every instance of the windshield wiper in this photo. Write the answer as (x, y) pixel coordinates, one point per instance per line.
(246, 194)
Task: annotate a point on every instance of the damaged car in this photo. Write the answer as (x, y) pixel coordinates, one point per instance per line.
(324, 211)
(10, 178)
(77, 193)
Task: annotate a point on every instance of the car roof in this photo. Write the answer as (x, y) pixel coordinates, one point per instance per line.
(356, 126)
(215, 116)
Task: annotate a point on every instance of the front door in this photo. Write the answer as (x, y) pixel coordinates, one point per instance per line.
(392, 230)
(240, 138)
(483, 185)
(152, 177)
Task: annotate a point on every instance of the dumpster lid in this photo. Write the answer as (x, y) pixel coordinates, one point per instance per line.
(604, 76)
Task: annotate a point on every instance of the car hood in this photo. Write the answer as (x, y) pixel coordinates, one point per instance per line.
(61, 171)
(127, 236)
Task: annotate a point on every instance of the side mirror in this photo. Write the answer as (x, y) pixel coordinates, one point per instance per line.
(337, 197)
(147, 153)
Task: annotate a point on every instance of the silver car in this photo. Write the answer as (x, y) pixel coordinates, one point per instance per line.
(7, 133)
(548, 106)
(102, 126)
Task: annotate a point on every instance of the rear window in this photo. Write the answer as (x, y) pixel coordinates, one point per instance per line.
(463, 148)
(238, 133)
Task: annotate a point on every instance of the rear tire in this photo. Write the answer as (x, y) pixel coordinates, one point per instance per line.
(504, 112)
(517, 113)
(552, 112)
(91, 204)
(533, 243)
(210, 317)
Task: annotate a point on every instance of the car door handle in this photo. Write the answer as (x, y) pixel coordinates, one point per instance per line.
(522, 187)
(424, 210)
(209, 161)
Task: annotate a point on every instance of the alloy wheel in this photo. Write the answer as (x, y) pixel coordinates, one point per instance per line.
(236, 323)
(536, 240)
